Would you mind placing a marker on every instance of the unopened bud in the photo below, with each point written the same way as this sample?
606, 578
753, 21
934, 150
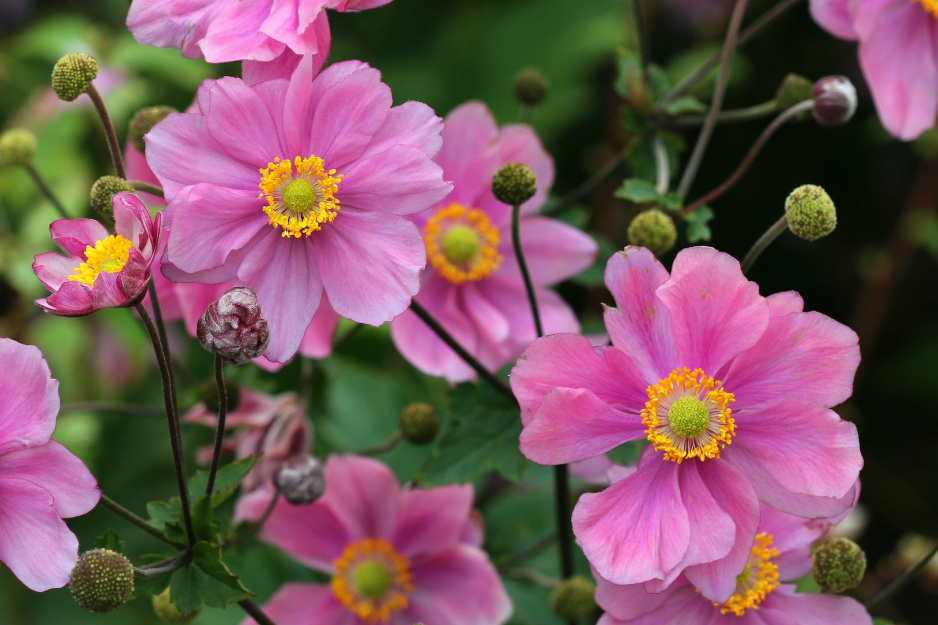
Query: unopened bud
838, 565
72, 75
102, 195
233, 327
167, 611
654, 230
143, 121
102, 580
17, 147
419, 423
574, 599
514, 184
811, 213
209, 394
530, 86
300, 479
835, 100
794, 89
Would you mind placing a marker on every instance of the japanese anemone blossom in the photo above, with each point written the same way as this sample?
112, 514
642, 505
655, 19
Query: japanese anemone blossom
898, 53
781, 552
472, 284
259, 203
731, 389
101, 270
41, 482
396, 557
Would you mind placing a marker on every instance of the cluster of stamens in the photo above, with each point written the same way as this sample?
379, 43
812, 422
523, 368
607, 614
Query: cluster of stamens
758, 579
108, 255
462, 244
299, 201
372, 580
929, 5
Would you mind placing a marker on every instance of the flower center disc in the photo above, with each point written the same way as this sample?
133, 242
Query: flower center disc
372, 580
108, 255
687, 416
300, 195
462, 244
758, 579
929, 5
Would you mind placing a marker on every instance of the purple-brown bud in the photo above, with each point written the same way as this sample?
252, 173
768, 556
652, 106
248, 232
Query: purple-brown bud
835, 100
233, 328
301, 479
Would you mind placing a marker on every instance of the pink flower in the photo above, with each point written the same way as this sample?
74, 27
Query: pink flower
781, 552
311, 144
101, 270
472, 284
898, 54
41, 482
698, 360
396, 557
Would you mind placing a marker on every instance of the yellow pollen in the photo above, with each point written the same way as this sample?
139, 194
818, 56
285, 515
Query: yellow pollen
300, 195
929, 5
687, 416
372, 580
751, 589
108, 255
462, 244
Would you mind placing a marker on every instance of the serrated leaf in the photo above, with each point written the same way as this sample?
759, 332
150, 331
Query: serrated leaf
205, 580
203, 521
697, 228
641, 155
638, 191
109, 540
227, 479
167, 516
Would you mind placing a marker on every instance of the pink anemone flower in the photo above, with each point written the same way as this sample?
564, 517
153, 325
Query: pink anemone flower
472, 284
101, 270
304, 201
898, 53
781, 552
41, 482
396, 557
731, 389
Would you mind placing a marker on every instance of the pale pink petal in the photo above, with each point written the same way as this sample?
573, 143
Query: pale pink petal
834, 16
553, 250
29, 400
490, 320
55, 469
73, 299
74, 235
234, 34
399, 181
312, 534
430, 520
240, 121
298, 603
317, 342
172, 23
792, 536
813, 609
593, 471
54, 269
411, 123
467, 157
632, 600
363, 494
683, 607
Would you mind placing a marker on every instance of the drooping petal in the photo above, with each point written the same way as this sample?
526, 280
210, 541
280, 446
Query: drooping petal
73, 299
29, 400
430, 520
55, 469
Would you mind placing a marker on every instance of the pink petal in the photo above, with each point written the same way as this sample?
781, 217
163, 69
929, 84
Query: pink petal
683, 607
29, 400
553, 250
430, 520
54, 269
363, 494
178, 24
73, 299
231, 103
55, 469
631, 601
234, 34
834, 16
466, 156
75, 235
519, 143
411, 123
489, 320
298, 603
813, 609
317, 341
312, 534
792, 536
400, 181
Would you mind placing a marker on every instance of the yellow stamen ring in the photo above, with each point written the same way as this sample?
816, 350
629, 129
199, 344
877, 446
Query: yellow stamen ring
687, 416
299, 201
372, 580
929, 5
108, 255
751, 589
462, 244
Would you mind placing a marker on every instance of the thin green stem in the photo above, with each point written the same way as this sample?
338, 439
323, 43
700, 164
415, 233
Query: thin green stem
900, 582
109, 132
255, 612
756, 111
763, 242
146, 187
132, 518
380, 448
46, 189
523, 266
641, 34
220, 427
564, 521
163, 567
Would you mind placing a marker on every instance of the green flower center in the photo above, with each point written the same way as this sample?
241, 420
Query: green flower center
299, 195
689, 417
371, 579
460, 243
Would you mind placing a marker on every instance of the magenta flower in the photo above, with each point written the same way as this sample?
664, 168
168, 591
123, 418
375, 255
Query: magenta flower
41, 482
781, 552
472, 284
396, 557
101, 270
311, 144
731, 389
898, 53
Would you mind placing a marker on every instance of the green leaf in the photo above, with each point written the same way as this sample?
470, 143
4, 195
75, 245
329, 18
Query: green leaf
684, 104
697, 228
167, 516
109, 540
672, 201
641, 155
226, 479
638, 191
205, 580
203, 521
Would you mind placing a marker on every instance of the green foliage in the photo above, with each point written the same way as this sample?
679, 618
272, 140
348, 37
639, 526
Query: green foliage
697, 224
641, 156
110, 540
205, 580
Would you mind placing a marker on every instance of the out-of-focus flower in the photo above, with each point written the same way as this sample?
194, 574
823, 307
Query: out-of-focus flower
41, 482
396, 557
699, 360
472, 284
101, 270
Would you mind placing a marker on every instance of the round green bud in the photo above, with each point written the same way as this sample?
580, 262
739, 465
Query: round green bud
168, 612
654, 230
209, 394
17, 147
102, 195
72, 75
530, 86
794, 89
419, 423
101, 580
811, 213
143, 121
573, 599
514, 184
838, 565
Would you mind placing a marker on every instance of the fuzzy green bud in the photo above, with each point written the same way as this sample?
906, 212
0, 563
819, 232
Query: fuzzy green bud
574, 598
654, 230
17, 147
167, 611
143, 121
102, 195
72, 75
811, 213
838, 565
530, 86
209, 394
101, 580
514, 184
794, 89
419, 423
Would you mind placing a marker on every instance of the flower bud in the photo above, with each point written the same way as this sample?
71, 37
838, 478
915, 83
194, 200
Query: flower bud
72, 75
419, 423
530, 86
102, 195
168, 612
514, 184
209, 394
233, 328
811, 212
17, 146
794, 89
835, 100
143, 121
573, 599
102, 580
300, 479
654, 230
838, 565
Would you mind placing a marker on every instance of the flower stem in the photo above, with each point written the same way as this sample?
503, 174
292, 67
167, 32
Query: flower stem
380, 448
564, 521
899, 583
662, 167
763, 242
736, 115
46, 189
641, 33
112, 144
255, 612
523, 265
146, 187
132, 518
163, 567
220, 427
